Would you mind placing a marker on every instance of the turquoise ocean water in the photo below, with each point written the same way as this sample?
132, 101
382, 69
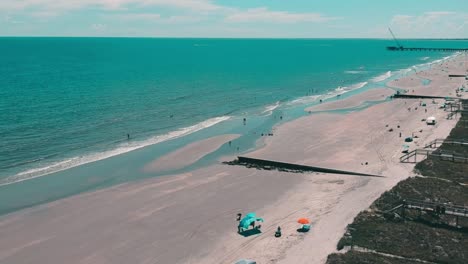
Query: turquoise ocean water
67, 104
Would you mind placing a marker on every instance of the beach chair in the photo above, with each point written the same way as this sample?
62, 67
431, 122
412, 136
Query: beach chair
306, 228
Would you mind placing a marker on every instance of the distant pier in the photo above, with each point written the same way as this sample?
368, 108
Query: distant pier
394, 48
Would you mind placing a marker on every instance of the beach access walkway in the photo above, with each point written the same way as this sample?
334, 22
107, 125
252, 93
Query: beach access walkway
444, 155
440, 208
432, 207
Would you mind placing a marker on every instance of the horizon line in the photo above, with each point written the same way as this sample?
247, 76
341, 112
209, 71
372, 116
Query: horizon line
167, 37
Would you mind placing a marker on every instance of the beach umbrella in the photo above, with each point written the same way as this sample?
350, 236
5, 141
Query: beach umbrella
303, 221
247, 221
251, 215
246, 261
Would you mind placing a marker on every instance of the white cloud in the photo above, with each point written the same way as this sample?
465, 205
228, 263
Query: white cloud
196, 5
98, 27
10, 20
139, 16
436, 24
439, 13
263, 14
183, 19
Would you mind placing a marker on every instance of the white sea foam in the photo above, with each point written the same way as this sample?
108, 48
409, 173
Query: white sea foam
269, 109
425, 58
122, 148
355, 72
341, 90
426, 65
382, 77
352, 87
304, 100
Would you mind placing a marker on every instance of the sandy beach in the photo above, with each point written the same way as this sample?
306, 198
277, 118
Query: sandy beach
354, 101
190, 218
189, 154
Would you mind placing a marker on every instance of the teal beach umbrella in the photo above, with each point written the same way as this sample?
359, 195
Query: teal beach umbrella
247, 221
251, 215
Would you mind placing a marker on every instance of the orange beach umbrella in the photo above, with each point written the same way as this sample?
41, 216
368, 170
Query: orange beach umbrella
303, 221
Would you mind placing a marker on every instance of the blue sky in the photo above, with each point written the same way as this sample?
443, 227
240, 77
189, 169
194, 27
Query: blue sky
235, 18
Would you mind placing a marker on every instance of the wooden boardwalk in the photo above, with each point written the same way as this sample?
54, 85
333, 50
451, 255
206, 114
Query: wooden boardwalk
432, 208
407, 158
438, 142
442, 155
438, 208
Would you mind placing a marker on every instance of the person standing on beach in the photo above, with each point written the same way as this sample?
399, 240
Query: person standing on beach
278, 232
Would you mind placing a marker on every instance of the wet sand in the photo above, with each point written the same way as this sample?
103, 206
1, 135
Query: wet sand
373, 95
190, 218
189, 154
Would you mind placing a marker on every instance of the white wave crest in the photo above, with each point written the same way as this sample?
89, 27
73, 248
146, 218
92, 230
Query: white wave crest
122, 148
352, 87
270, 108
382, 77
355, 72
304, 100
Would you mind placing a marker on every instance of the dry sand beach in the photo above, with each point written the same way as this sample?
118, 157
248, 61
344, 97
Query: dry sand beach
190, 218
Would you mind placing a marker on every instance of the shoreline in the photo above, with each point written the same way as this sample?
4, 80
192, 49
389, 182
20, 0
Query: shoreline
189, 154
122, 149
221, 192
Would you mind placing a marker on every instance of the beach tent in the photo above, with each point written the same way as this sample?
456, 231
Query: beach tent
247, 221
246, 261
250, 215
430, 120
